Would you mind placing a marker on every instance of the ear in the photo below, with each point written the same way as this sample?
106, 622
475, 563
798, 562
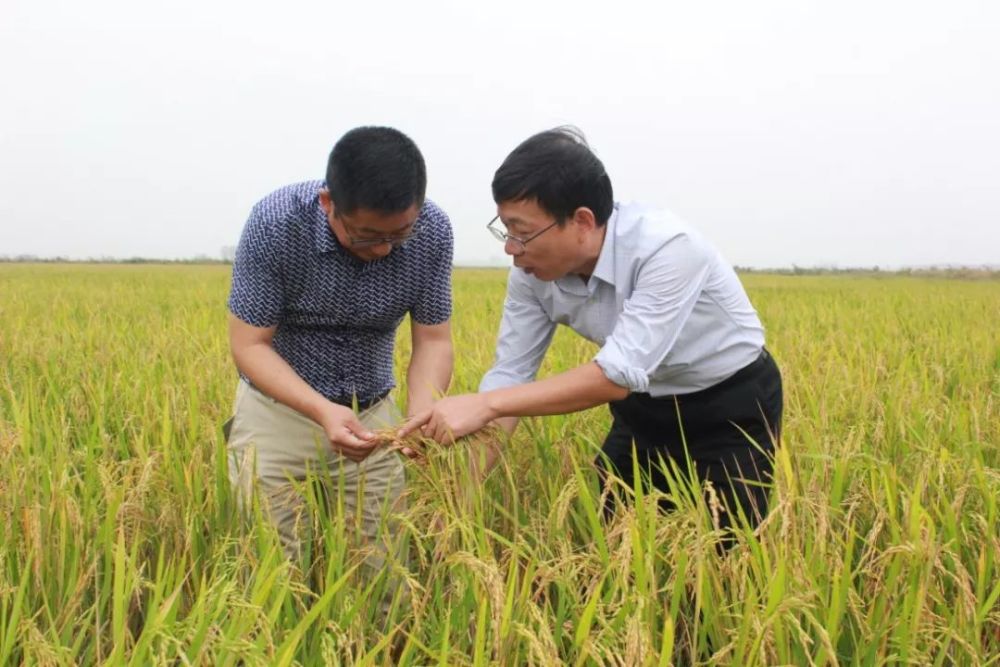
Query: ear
585, 218
325, 202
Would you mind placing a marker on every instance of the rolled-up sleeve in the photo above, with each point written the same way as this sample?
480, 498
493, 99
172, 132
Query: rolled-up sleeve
525, 334
257, 295
667, 287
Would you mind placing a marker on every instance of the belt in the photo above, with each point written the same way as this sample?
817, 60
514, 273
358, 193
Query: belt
363, 403
738, 376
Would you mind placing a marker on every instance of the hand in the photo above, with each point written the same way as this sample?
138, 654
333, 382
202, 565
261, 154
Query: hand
412, 448
347, 435
410, 452
451, 418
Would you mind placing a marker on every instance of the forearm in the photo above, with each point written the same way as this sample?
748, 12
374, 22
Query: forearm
428, 375
577, 389
534, 397
273, 376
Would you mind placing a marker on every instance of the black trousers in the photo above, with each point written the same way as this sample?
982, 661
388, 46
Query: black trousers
707, 433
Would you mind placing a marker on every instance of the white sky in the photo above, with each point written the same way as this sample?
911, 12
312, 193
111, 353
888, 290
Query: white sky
846, 133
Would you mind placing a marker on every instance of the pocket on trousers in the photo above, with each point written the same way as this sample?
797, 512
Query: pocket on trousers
229, 425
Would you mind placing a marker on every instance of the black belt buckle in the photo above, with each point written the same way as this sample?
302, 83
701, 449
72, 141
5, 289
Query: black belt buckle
363, 404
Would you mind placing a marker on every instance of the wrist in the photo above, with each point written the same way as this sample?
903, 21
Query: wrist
318, 408
414, 406
494, 404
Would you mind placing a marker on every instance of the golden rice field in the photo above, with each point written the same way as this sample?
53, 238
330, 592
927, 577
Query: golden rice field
120, 542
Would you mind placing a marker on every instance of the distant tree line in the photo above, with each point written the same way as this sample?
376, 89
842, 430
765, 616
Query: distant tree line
228, 253
946, 271
226, 256
34, 259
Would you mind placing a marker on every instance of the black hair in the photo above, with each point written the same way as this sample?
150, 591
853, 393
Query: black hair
557, 169
376, 168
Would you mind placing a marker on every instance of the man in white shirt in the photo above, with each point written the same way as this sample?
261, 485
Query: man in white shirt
682, 362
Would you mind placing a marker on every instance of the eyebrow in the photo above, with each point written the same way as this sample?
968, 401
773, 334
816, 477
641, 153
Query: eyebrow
513, 221
369, 230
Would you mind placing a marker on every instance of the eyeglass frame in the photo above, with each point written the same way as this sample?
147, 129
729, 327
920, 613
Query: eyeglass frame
394, 241
503, 236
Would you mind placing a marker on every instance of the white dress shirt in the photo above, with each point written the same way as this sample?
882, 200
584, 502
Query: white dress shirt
669, 313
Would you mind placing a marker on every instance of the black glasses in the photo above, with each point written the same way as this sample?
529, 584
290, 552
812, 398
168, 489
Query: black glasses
367, 242
501, 235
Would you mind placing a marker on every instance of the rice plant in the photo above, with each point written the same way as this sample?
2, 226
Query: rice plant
121, 543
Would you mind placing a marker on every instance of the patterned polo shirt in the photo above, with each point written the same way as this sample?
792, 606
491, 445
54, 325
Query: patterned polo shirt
336, 315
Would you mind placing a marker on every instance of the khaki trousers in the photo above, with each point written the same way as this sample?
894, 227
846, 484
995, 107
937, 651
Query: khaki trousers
273, 448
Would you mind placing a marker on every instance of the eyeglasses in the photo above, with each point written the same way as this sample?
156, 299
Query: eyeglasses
500, 235
395, 240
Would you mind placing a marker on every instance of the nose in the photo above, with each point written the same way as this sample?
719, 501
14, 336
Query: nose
382, 249
513, 248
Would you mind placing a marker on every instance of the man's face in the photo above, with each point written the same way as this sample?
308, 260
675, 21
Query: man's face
553, 253
367, 234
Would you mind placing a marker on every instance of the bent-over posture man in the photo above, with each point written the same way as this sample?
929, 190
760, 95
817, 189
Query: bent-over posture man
323, 276
682, 362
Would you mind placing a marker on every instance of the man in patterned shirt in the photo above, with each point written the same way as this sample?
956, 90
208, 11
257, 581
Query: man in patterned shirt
323, 276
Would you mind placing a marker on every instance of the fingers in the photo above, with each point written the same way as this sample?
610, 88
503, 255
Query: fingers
414, 422
358, 429
439, 429
352, 446
431, 424
441, 432
356, 454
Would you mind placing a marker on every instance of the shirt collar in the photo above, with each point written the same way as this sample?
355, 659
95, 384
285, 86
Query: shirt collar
604, 269
325, 239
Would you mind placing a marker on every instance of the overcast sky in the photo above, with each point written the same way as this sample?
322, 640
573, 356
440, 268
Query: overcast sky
838, 133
